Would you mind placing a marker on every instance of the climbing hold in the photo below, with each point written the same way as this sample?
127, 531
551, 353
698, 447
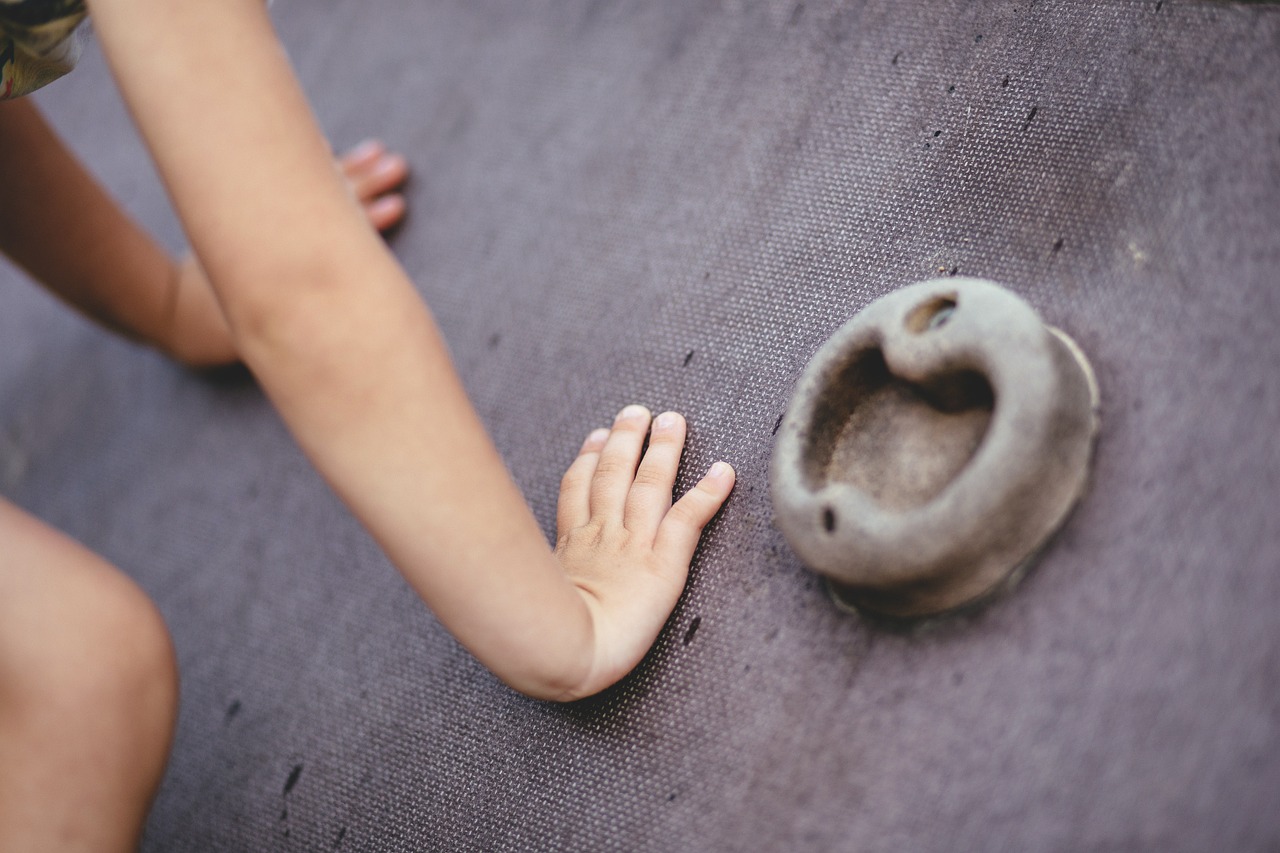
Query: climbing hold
932, 446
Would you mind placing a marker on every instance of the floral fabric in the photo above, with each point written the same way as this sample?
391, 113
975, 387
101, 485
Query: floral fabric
36, 44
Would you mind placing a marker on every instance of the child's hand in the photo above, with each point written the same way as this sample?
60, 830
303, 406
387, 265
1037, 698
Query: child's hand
374, 174
622, 542
197, 334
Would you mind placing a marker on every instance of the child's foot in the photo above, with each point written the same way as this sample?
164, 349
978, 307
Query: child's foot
374, 173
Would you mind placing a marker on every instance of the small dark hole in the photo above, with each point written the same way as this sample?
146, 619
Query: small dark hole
693, 629
293, 778
829, 520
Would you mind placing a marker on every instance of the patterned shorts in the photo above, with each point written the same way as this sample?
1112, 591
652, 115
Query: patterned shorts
36, 44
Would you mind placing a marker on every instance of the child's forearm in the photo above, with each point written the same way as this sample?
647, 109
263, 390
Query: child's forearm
337, 335
344, 347
59, 224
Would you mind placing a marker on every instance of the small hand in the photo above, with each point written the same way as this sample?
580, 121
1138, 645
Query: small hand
197, 333
374, 174
623, 543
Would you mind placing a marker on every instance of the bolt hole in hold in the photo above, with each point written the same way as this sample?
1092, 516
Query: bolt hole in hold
899, 442
932, 314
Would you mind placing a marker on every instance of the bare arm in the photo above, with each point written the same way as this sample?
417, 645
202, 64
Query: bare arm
344, 347
62, 227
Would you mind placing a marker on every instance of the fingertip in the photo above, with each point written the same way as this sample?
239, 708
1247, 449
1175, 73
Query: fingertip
595, 441
386, 210
395, 161
721, 475
668, 422
634, 412
363, 152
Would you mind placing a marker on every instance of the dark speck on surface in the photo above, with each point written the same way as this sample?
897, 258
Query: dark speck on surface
895, 59
977, 39
954, 270
232, 710
294, 775
1004, 84
337, 842
1057, 246
688, 358
494, 340
796, 13
951, 88
777, 424
693, 629
1030, 116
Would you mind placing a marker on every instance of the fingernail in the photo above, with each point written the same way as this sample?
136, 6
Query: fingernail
719, 470
666, 420
597, 436
365, 149
633, 412
387, 204
391, 164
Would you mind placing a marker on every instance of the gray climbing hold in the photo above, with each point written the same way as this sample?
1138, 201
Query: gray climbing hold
932, 446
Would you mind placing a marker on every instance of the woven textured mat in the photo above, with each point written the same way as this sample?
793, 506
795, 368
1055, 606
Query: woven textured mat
675, 203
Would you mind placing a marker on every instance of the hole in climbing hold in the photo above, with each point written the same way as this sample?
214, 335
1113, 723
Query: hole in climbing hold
932, 314
899, 442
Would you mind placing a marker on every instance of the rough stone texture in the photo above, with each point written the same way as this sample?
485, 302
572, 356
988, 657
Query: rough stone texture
932, 445
675, 202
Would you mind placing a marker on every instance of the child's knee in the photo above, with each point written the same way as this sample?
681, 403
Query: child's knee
88, 695
114, 659
88, 653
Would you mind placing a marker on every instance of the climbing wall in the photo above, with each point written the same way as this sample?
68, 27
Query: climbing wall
675, 202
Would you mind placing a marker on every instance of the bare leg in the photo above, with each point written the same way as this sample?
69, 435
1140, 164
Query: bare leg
88, 695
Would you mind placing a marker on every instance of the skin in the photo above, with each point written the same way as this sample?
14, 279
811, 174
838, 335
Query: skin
394, 435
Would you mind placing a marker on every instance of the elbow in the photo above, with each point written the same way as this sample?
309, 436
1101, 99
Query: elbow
291, 296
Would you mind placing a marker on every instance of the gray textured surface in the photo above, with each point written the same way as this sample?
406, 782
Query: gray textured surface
675, 203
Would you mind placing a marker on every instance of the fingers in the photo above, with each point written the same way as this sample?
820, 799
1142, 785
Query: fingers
616, 469
609, 480
372, 172
650, 495
386, 211
574, 507
679, 531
